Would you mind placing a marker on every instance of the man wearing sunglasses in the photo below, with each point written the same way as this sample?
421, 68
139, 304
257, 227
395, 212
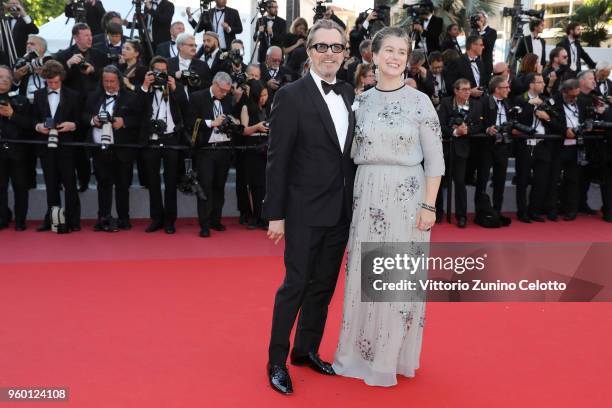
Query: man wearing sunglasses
309, 182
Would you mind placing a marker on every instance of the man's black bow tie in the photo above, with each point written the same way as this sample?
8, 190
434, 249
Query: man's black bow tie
173, 42
327, 88
474, 61
111, 96
52, 92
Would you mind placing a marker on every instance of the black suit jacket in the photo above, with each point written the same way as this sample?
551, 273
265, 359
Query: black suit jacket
284, 76
450, 44
68, 110
217, 65
431, 35
308, 177
608, 93
20, 34
126, 108
526, 118
75, 79
488, 38
197, 66
582, 54
526, 46
179, 106
462, 68
231, 17
475, 117
94, 16
201, 107
162, 19
18, 126
279, 31
163, 50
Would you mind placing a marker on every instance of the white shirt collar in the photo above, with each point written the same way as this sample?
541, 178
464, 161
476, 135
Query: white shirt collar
318, 80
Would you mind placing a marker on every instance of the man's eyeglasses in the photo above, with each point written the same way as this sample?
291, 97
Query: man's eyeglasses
322, 48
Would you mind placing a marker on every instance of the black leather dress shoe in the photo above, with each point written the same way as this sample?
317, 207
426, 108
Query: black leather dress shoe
313, 361
252, 224
204, 232
244, 219
170, 229
43, 227
607, 217
279, 379
3, 225
218, 227
75, 228
154, 226
461, 222
552, 216
569, 217
505, 221
585, 209
20, 226
536, 218
124, 225
523, 218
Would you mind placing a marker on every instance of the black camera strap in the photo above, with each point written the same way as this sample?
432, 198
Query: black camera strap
159, 102
575, 112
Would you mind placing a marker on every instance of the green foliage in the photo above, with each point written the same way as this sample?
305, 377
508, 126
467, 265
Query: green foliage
593, 15
42, 11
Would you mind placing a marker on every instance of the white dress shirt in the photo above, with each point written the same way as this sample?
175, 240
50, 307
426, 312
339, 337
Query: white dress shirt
161, 110
216, 136
536, 44
35, 82
109, 106
573, 55
501, 112
572, 120
53, 96
475, 70
337, 109
218, 20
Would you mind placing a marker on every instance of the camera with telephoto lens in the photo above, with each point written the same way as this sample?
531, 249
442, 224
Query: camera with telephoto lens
161, 79
190, 78
25, 60
519, 12
240, 79
11, 99
417, 11
547, 106
158, 129
190, 185
83, 65
52, 137
320, 8
235, 56
504, 132
106, 120
230, 126
474, 20
78, 11
459, 117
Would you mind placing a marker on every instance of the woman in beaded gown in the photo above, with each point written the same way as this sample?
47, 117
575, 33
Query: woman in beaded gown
397, 129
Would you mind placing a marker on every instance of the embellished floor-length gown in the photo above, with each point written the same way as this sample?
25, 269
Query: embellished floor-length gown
396, 131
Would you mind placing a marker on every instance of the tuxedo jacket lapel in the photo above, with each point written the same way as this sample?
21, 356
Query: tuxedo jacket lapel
321, 107
349, 134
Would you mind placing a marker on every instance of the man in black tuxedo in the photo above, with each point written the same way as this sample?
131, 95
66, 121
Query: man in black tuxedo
450, 41
94, 12
57, 107
210, 54
533, 154
493, 151
186, 63
168, 49
273, 74
416, 70
15, 121
225, 21
309, 183
438, 74
208, 110
533, 43
489, 36
112, 165
428, 28
166, 104
453, 112
365, 53
271, 30
21, 25
575, 52
158, 17
604, 85
109, 17
113, 41
470, 67
557, 71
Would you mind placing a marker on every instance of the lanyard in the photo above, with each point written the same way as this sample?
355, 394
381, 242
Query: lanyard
217, 21
574, 113
159, 106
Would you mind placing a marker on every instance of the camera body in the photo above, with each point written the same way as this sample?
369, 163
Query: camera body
320, 8
78, 11
83, 65
240, 79
158, 128
190, 78
459, 117
235, 56
231, 127
52, 138
106, 120
504, 132
474, 20
113, 58
161, 79
26, 60
10, 99
189, 184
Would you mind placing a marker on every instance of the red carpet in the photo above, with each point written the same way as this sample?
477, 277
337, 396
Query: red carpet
150, 320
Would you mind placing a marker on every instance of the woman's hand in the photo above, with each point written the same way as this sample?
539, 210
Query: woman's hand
425, 219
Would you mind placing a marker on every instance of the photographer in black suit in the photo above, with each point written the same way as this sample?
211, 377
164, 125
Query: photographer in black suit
210, 54
533, 154
209, 110
557, 71
271, 30
158, 15
165, 106
273, 74
109, 17
113, 41
428, 28
186, 63
575, 52
450, 39
113, 119
533, 43
94, 11
55, 112
15, 120
604, 85
470, 67
21, 25
489, 36
225, 21
168, 49
459, 116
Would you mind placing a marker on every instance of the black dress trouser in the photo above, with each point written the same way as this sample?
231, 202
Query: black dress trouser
13, 168
212, 168
112, 172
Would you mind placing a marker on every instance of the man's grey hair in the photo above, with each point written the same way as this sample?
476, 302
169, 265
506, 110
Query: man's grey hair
222, 78
365, 45
273, 48
323, 24
417, 57
601, 65
583, 74
40, 39
253, 66
182, 37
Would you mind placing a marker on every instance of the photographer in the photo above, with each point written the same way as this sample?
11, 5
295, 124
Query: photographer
209, 108
109, 17
168, 49
360, 31
159, 15
365, 51
94, 11
575, 52
225, 21
112, 118
271, 30
21, 24
185, 65
113, 43
450, 39
417, 71
557, 71
488, 35
55, 112
330, 15
27, 77
165, 106
439, 77
132, 70
470, 66
294, 46
14, 122
493, 151
272, 73
459, 116
604, 85
255, 121
210, 54
533, 43
428, 28
533, 154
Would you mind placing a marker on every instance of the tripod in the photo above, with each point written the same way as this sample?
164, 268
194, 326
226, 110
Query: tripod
143, 33
7, 44
517, 37
262, 13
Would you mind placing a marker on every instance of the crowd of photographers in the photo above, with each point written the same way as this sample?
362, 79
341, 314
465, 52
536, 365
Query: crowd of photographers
201, 110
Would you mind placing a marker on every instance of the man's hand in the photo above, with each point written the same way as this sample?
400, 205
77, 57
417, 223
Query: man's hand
461, 130
491, 130
118, 123
422, 72
542, 115
75, 59
21, 72
476, 93
372, 16
148, 80
226, 27
417, 27
276, 230
66, 127
218, 121
188, 12
273, 84
569, 133
96, 121
6, 111
552, 77
90, 69
261, 127
40, 128
172, 83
